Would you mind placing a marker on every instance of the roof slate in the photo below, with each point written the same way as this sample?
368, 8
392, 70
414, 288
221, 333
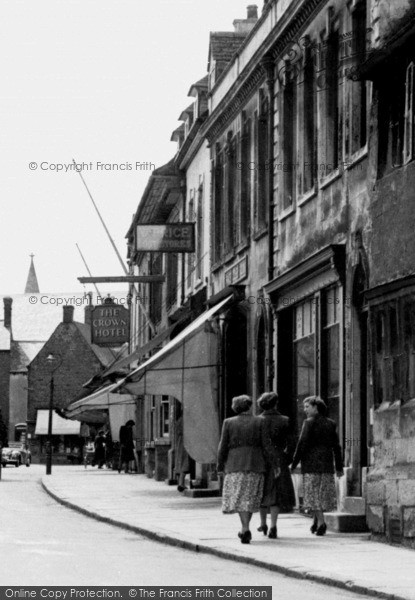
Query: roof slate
105, 355
224, 44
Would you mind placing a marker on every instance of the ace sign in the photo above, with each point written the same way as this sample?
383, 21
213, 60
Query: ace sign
110, 324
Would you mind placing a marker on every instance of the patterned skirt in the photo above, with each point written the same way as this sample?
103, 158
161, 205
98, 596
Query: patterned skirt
242, 492
319, 491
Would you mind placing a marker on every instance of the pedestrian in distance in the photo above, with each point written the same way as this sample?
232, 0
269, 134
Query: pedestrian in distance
99, 450
278, 491
109, 449
241, 457
318, 450
182, 459
126, 446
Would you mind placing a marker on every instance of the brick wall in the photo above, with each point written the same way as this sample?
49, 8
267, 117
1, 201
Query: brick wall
79, 364
4, 385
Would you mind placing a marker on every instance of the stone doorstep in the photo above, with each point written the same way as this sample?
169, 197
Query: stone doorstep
343, 522
202, 493
355, 505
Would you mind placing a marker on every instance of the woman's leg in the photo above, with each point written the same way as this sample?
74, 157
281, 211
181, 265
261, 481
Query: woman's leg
319, 516
275, 511
263, 511
245, 520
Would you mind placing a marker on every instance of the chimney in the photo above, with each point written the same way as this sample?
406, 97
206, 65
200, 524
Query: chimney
8, 312
68, 314
88, 310
245, 25
252, 12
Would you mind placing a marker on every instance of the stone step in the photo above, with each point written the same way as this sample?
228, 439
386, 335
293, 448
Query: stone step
201, 493
343, 522
355, 505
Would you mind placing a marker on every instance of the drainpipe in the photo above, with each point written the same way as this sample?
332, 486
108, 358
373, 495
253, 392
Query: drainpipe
268, 65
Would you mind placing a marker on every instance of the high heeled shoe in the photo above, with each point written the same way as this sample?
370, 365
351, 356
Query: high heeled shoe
272, 533
314, 526
321, 530
263, 528
245, 537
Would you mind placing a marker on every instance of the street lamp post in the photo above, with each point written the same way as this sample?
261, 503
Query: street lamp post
51, 359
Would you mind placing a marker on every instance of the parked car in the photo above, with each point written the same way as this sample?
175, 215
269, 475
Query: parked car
16, 454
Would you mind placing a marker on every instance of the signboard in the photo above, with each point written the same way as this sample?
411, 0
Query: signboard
110, 324
171, 237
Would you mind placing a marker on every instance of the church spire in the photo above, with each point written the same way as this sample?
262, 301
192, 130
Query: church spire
32, 286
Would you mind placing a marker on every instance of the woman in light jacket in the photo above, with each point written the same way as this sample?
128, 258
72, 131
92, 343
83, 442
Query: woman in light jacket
241, 456
319, 452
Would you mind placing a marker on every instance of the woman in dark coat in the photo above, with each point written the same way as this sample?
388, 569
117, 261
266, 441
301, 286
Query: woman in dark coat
278, 492
319, 451
241, 458
99, 453
126, 445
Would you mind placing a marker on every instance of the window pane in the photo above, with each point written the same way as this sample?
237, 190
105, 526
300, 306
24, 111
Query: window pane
333, 361
304, 366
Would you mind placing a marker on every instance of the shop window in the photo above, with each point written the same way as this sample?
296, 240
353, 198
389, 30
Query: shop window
394, 348
330, 364
304, 353
152, 418
164, 417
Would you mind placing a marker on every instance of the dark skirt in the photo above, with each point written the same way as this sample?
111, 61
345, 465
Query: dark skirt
319, 492
126, 453
279, 492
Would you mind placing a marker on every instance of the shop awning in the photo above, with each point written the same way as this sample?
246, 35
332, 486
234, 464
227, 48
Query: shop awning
140, 352
187, 369
59, 426
101, 399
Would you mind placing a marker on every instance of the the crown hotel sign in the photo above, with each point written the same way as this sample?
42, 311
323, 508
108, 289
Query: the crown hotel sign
171, 237
110, 324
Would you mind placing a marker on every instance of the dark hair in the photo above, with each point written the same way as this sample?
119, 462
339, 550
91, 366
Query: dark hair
317, 401
267, 400
130, 422
241, 404
101, 432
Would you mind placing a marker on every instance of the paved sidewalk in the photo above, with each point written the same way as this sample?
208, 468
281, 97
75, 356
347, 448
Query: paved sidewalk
152, 508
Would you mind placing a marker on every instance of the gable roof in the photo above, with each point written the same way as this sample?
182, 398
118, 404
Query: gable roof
4, 337
223, 45
104, 354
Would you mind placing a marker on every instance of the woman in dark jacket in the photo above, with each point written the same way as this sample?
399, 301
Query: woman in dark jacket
278, 493
99, 453
241, 458
126, 445
318, 450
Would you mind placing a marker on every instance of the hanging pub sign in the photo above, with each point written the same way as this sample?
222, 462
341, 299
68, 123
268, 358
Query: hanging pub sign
110, 324
170, 237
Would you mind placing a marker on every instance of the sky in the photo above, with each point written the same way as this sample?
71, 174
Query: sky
102, 82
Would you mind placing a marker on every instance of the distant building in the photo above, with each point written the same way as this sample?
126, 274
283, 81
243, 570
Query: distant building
76, 360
